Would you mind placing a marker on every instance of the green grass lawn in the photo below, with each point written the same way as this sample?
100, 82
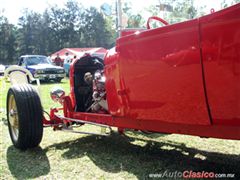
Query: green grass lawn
64, 155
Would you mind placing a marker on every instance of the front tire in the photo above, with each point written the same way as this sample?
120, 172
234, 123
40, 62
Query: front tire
24, 114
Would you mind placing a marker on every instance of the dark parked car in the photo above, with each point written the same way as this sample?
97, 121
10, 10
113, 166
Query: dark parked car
41, 67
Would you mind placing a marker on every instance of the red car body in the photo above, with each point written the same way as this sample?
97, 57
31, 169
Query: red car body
182, 78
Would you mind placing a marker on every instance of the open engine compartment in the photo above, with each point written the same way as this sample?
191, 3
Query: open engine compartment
89, 85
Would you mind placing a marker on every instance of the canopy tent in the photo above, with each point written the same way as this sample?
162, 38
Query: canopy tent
97, 51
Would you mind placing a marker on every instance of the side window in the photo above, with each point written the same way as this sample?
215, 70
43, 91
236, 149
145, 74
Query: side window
22, 62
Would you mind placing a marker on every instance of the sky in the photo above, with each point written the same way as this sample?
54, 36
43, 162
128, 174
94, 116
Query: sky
12, 9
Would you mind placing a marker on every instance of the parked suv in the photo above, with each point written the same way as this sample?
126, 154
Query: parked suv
41, 67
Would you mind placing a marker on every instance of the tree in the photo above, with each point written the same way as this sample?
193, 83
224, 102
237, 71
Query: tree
135, 20
29, 32
47, 39
8, 41
95, 29
54, 29
56, 21
225, 4
71, 31
181, 10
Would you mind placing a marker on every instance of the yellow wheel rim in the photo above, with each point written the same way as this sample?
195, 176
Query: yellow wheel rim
13, 117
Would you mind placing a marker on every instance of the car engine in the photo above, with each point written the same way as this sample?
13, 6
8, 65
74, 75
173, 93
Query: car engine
97, 81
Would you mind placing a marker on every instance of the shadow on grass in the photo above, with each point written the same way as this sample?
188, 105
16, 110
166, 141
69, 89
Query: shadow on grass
27, 164
119, 153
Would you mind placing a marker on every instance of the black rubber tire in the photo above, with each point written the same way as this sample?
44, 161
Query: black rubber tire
30, 116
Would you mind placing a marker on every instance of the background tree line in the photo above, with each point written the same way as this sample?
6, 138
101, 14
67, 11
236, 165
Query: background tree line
172, 11
54, 29
76, 26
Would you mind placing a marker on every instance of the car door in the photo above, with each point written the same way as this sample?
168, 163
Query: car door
161, 75
220, 34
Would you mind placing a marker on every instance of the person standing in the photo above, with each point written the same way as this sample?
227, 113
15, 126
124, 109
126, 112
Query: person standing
58, 61
67, 58
66, 65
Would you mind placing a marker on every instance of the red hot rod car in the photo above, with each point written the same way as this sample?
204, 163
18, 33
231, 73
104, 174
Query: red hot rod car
182, 78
